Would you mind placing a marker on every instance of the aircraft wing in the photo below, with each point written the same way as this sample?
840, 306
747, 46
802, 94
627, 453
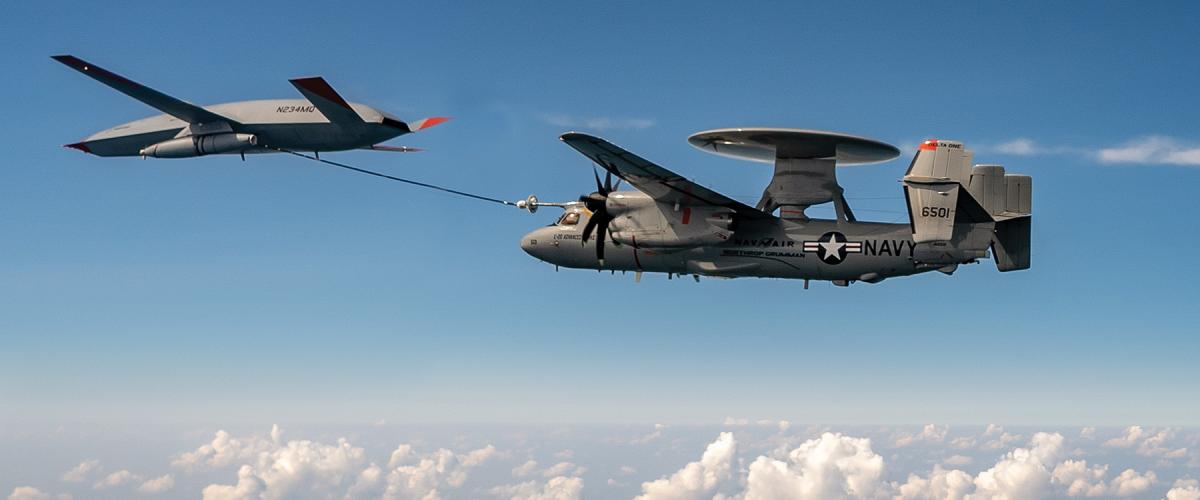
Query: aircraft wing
327, 100
661, 184
184, 111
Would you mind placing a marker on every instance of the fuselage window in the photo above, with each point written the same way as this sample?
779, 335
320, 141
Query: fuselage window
569, 219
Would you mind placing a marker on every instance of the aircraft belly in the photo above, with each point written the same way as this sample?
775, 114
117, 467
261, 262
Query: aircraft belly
128, 145
313, 136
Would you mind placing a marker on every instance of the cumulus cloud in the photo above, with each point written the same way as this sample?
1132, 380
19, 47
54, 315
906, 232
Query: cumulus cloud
941, 484
118, 478
598, 123
930, 433
957, 460
277, 469
832, 466
696, 479
1149, 444
225, 450
433, 473
1184, 489
556, 488
1022, 472
157, 485
80, 472
525, 469
31, 493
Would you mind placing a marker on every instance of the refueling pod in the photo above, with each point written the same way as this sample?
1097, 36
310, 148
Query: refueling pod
200, 145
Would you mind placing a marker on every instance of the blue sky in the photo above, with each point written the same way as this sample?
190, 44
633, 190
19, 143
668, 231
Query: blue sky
214, 292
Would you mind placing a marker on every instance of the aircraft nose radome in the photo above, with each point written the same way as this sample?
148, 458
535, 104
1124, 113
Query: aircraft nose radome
534, 245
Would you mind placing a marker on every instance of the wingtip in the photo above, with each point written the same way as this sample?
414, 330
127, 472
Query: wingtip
82, 146
429, 122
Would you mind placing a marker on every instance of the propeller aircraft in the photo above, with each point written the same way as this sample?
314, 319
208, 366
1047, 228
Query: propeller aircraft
958, 213
322, 121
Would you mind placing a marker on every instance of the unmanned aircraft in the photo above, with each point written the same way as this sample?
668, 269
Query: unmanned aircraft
957, 213
323, 121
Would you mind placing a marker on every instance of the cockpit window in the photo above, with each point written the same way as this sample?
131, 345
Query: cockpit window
569, 219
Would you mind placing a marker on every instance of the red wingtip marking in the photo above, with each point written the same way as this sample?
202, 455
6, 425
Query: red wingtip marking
433, 120
82, 146
929, 145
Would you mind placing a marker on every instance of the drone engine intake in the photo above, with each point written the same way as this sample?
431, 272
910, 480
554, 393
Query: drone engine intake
200, 145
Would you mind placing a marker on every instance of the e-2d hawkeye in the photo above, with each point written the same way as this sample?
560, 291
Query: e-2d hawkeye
958, 212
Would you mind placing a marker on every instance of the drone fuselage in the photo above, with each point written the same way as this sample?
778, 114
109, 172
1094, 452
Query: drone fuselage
285, 123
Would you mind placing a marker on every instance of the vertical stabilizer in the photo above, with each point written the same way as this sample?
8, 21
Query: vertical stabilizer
932, 186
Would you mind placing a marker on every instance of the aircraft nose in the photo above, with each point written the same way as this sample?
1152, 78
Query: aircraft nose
530, 244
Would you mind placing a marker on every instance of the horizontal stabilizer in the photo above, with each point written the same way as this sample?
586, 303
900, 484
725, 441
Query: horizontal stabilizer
327, 100
184, 111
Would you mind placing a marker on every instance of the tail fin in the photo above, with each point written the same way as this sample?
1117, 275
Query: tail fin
932, 186
1008, 198
935, 184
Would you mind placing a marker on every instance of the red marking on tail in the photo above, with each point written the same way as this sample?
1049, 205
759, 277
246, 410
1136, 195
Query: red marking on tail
930, 145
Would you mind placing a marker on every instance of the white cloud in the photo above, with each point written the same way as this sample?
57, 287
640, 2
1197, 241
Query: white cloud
655, 434
941, 484
118, 478
832, 466
598, 123
564, 469
31, 493
1184, 489
157, 485
1152, 150
1019, 147
281, 469
930, 432
80, 472
957, 460
1126, 440
557, 488
525, 469
564, 454
1023, 472
1130, 483
432, 473
696, 479
27, 493
1148, 444
1087, 433
225, 450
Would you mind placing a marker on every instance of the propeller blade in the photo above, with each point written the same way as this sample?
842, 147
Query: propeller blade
617, 185
590, 226
599, 187
600, 241
608, 187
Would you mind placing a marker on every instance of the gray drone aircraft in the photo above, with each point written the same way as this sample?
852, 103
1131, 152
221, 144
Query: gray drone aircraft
323, 121
957, 212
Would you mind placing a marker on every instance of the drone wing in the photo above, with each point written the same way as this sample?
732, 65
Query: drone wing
327, 100
661, 184
184, 111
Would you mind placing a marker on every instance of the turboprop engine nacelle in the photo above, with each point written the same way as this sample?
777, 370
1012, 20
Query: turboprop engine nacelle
200, 145
642, 222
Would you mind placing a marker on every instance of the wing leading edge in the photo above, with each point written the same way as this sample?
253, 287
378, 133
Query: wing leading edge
184, 111
659, 183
